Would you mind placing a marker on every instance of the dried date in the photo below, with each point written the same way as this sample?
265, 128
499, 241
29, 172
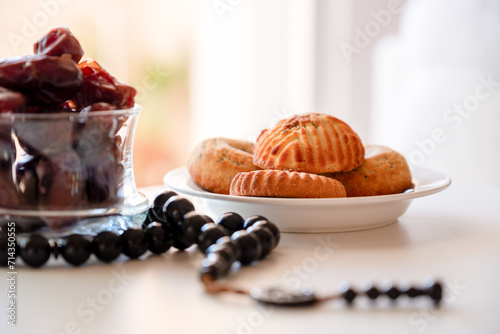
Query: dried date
99, 106
11, 101
8, 195
43, 79
49, 109
102, 178
45, 137
95, 135
100, 86
61, 182
7, 153
26, 181
57, 42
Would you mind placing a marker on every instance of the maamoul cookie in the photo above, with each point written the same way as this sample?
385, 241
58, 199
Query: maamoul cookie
276, 183
214, 163
383, 172
312, 143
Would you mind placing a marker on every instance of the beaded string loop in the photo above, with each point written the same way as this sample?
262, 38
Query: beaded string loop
172, 222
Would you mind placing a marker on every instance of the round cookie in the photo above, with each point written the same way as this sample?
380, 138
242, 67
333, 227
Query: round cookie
214, 163
383, 172
276, 183
311, 143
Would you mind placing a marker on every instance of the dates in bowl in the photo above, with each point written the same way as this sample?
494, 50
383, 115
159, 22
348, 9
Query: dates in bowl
66, 131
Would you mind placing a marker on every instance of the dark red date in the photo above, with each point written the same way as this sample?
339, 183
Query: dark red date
99, 106
49, 108
44, 136
61, 163
61, 182
57, 42
110, 124
26, 181
100, 86
99, 147
8, 195
43, 79
102, 178
7, 152
11, 101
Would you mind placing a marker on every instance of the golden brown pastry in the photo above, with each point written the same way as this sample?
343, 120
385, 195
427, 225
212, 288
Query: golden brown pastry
312, 143
383, 172
276, 183
215, 162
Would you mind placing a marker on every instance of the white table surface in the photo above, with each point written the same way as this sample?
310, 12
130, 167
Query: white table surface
453, 235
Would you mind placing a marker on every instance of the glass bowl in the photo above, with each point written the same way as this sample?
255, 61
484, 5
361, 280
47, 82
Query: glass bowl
69, 172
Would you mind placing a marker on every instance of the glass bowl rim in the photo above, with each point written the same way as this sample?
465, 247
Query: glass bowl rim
136, 109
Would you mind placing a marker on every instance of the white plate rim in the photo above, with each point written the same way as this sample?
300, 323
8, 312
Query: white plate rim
423, 187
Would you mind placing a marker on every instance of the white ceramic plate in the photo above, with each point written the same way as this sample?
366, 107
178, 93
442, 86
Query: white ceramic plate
313, 215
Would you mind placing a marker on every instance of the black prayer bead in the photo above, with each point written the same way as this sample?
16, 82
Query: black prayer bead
372, 292
252, 220
412, 292
176, 230
349, 295
106, 246
150, 217
270, 226
175, 208
180, 245
35, 250
435, 291
392, 292
209, 269
231, 221
75, 249
155, 211
177, 236
226, 241
250, 245
133, 242
210, 233
266, 236
225, 250
191, 226
215, 265
158, 239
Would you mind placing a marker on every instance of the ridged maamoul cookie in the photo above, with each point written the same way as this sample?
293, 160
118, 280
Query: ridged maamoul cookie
215, 162
276, 183
383, 172
312, 143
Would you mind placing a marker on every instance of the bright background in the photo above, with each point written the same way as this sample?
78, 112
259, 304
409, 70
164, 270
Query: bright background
421, 76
